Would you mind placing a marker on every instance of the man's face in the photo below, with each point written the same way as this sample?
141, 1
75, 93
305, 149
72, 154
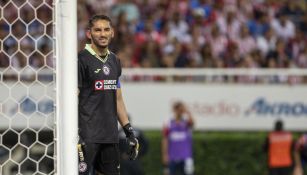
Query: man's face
101, 33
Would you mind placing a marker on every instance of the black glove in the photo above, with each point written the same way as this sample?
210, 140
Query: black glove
133, 143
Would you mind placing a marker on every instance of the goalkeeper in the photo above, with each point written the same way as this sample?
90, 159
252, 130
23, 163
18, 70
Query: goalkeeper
101, 104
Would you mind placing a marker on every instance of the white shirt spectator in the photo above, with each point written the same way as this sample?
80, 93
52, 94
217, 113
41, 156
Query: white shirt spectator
246, 45
230, 29
246, 42
179, 30
285, 31
265, 45
218, 45
301, 60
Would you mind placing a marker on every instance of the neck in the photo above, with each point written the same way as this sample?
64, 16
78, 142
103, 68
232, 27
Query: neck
178, 117
99, 50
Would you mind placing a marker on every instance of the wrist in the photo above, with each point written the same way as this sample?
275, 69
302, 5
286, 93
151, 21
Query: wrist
128, 130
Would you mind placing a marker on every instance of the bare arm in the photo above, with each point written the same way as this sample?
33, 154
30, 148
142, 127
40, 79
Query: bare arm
189, 117
297, 158
298, 170
164, 146
121, 108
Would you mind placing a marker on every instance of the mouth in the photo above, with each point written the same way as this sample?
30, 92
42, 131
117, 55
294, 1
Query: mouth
103, 39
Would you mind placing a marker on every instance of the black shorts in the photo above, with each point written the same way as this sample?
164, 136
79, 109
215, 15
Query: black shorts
281, 171
103, 158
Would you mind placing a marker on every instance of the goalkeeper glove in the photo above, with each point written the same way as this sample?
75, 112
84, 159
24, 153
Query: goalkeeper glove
82, 163
133, 143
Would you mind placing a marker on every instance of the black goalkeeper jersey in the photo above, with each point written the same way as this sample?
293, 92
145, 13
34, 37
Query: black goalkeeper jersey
97, 81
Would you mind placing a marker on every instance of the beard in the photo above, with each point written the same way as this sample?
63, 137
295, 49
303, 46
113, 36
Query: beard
98, 43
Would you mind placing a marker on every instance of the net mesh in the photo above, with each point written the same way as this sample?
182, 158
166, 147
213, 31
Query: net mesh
27, 85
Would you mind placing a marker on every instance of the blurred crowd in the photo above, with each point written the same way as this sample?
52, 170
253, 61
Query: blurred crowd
167, 33
204, 33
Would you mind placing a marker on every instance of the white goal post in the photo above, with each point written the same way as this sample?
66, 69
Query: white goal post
66, 80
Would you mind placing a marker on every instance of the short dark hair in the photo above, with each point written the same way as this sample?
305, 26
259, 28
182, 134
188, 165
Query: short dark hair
95, 18
279, 125
177, 105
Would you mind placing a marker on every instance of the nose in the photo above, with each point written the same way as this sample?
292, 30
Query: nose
104, 33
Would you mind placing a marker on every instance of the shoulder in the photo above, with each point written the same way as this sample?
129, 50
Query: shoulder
83, 54
114, 56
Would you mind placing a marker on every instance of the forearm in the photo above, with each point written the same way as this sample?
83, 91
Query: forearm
121, 110
297, 159
164, 145
122, 113
190, 118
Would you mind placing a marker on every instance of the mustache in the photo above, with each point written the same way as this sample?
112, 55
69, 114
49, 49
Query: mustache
101, 37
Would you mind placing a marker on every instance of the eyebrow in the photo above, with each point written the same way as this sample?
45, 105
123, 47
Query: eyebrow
99, 28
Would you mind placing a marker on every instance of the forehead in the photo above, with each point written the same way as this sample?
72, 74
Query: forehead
100, 23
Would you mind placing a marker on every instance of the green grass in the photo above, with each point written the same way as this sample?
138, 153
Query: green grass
216, 153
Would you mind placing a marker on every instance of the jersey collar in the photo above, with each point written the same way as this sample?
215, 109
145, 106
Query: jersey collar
92, 52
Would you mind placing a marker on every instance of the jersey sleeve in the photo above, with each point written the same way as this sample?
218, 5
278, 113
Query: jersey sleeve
165, 129
81, 74
118, 84
119, 66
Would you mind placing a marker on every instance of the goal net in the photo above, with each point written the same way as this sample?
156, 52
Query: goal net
38, 105
27, 85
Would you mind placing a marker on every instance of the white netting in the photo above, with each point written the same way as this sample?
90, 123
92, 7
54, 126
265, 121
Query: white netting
27, 87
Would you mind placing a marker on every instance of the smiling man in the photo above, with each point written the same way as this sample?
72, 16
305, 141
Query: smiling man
101, 103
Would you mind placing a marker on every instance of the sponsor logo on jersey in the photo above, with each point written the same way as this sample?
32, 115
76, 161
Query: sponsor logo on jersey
105, 85
97, 71
106, 70
99, 85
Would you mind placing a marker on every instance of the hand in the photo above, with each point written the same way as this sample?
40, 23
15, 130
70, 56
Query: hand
298, 170
133, 147
133, 143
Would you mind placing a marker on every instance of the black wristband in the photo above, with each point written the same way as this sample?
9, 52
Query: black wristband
128, 130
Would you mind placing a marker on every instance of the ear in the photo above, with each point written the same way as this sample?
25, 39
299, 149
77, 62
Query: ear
88, 34
112, 34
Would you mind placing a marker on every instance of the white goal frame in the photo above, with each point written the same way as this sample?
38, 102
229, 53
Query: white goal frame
66, 85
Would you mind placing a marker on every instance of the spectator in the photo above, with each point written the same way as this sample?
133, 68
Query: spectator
301, 60
297, 44
258, 23
150, 54
232, 56
279, 147
129, 7
280, 54
266, 42
229, 24
207, 58
293, 10
177, 142
283, 27
245, 41
178, 28
217, 41
300, 155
